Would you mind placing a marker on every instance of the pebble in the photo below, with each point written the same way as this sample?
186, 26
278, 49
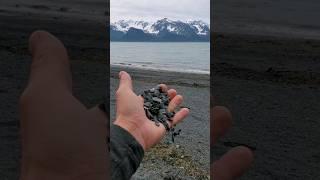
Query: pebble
156, 108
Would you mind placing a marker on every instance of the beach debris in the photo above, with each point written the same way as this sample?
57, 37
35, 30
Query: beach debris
156, 104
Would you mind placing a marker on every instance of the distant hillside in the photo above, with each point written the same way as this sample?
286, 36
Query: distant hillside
164, 30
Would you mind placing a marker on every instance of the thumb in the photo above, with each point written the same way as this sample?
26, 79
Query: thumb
50, 67
125, 80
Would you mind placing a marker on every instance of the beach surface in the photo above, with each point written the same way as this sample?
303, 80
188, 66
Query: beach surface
84, 37
188, 157
271, 85
266, 70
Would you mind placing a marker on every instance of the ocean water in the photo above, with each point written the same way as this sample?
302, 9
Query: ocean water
170, 56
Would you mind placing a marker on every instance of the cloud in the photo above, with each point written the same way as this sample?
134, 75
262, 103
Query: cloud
151, 10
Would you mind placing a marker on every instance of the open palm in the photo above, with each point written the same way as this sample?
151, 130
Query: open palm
131, 115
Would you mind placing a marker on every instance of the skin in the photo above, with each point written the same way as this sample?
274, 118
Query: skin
238, 160
62, 139
131, 115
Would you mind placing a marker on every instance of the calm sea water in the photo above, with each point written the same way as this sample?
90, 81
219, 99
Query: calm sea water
181, 57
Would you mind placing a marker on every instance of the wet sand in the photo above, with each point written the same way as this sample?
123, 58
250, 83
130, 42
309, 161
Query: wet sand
271, 85
188, 157
84, 37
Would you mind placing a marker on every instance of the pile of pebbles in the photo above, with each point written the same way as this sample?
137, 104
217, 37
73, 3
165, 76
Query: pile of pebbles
156, 104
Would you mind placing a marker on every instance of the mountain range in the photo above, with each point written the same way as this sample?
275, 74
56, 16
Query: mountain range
164, 30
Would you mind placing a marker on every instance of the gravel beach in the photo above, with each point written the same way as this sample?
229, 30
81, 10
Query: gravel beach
188, 157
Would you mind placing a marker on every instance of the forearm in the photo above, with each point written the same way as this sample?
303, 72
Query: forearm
126, 153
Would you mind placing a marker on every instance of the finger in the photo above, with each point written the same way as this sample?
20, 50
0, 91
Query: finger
233, 164
163, 87
172, 93
222, 120
125, 81
50, 69
180, 115
175, 102
141, 98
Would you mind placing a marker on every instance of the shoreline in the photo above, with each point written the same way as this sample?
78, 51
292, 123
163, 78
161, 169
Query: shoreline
289, 18
288, 61
148, 68
187, 79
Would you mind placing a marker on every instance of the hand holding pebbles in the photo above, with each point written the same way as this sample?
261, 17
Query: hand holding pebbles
156, 104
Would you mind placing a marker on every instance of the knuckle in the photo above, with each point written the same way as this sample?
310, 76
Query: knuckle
118, 92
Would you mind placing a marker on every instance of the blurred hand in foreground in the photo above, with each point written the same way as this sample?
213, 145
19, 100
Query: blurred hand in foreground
61, 138
235, 162
131, 115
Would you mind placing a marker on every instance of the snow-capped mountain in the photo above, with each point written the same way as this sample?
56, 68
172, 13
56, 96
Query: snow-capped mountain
124, 26
161, 30
202, 27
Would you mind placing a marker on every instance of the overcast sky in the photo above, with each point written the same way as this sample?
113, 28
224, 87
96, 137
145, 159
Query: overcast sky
151, 10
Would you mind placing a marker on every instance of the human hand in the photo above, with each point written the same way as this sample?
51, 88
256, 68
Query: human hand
235, 162
61, 138
131, 115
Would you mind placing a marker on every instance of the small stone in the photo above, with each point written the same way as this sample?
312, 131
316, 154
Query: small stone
162, 111
170, 115
156, 104
156, 99
147, 104
166, 125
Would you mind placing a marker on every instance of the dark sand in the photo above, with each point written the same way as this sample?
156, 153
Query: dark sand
283, 18
188, 157
84, 37
271, 85
267, 71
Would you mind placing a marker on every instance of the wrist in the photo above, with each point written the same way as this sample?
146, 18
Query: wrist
133, 129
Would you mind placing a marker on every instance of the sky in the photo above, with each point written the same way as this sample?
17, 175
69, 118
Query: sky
152, 10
